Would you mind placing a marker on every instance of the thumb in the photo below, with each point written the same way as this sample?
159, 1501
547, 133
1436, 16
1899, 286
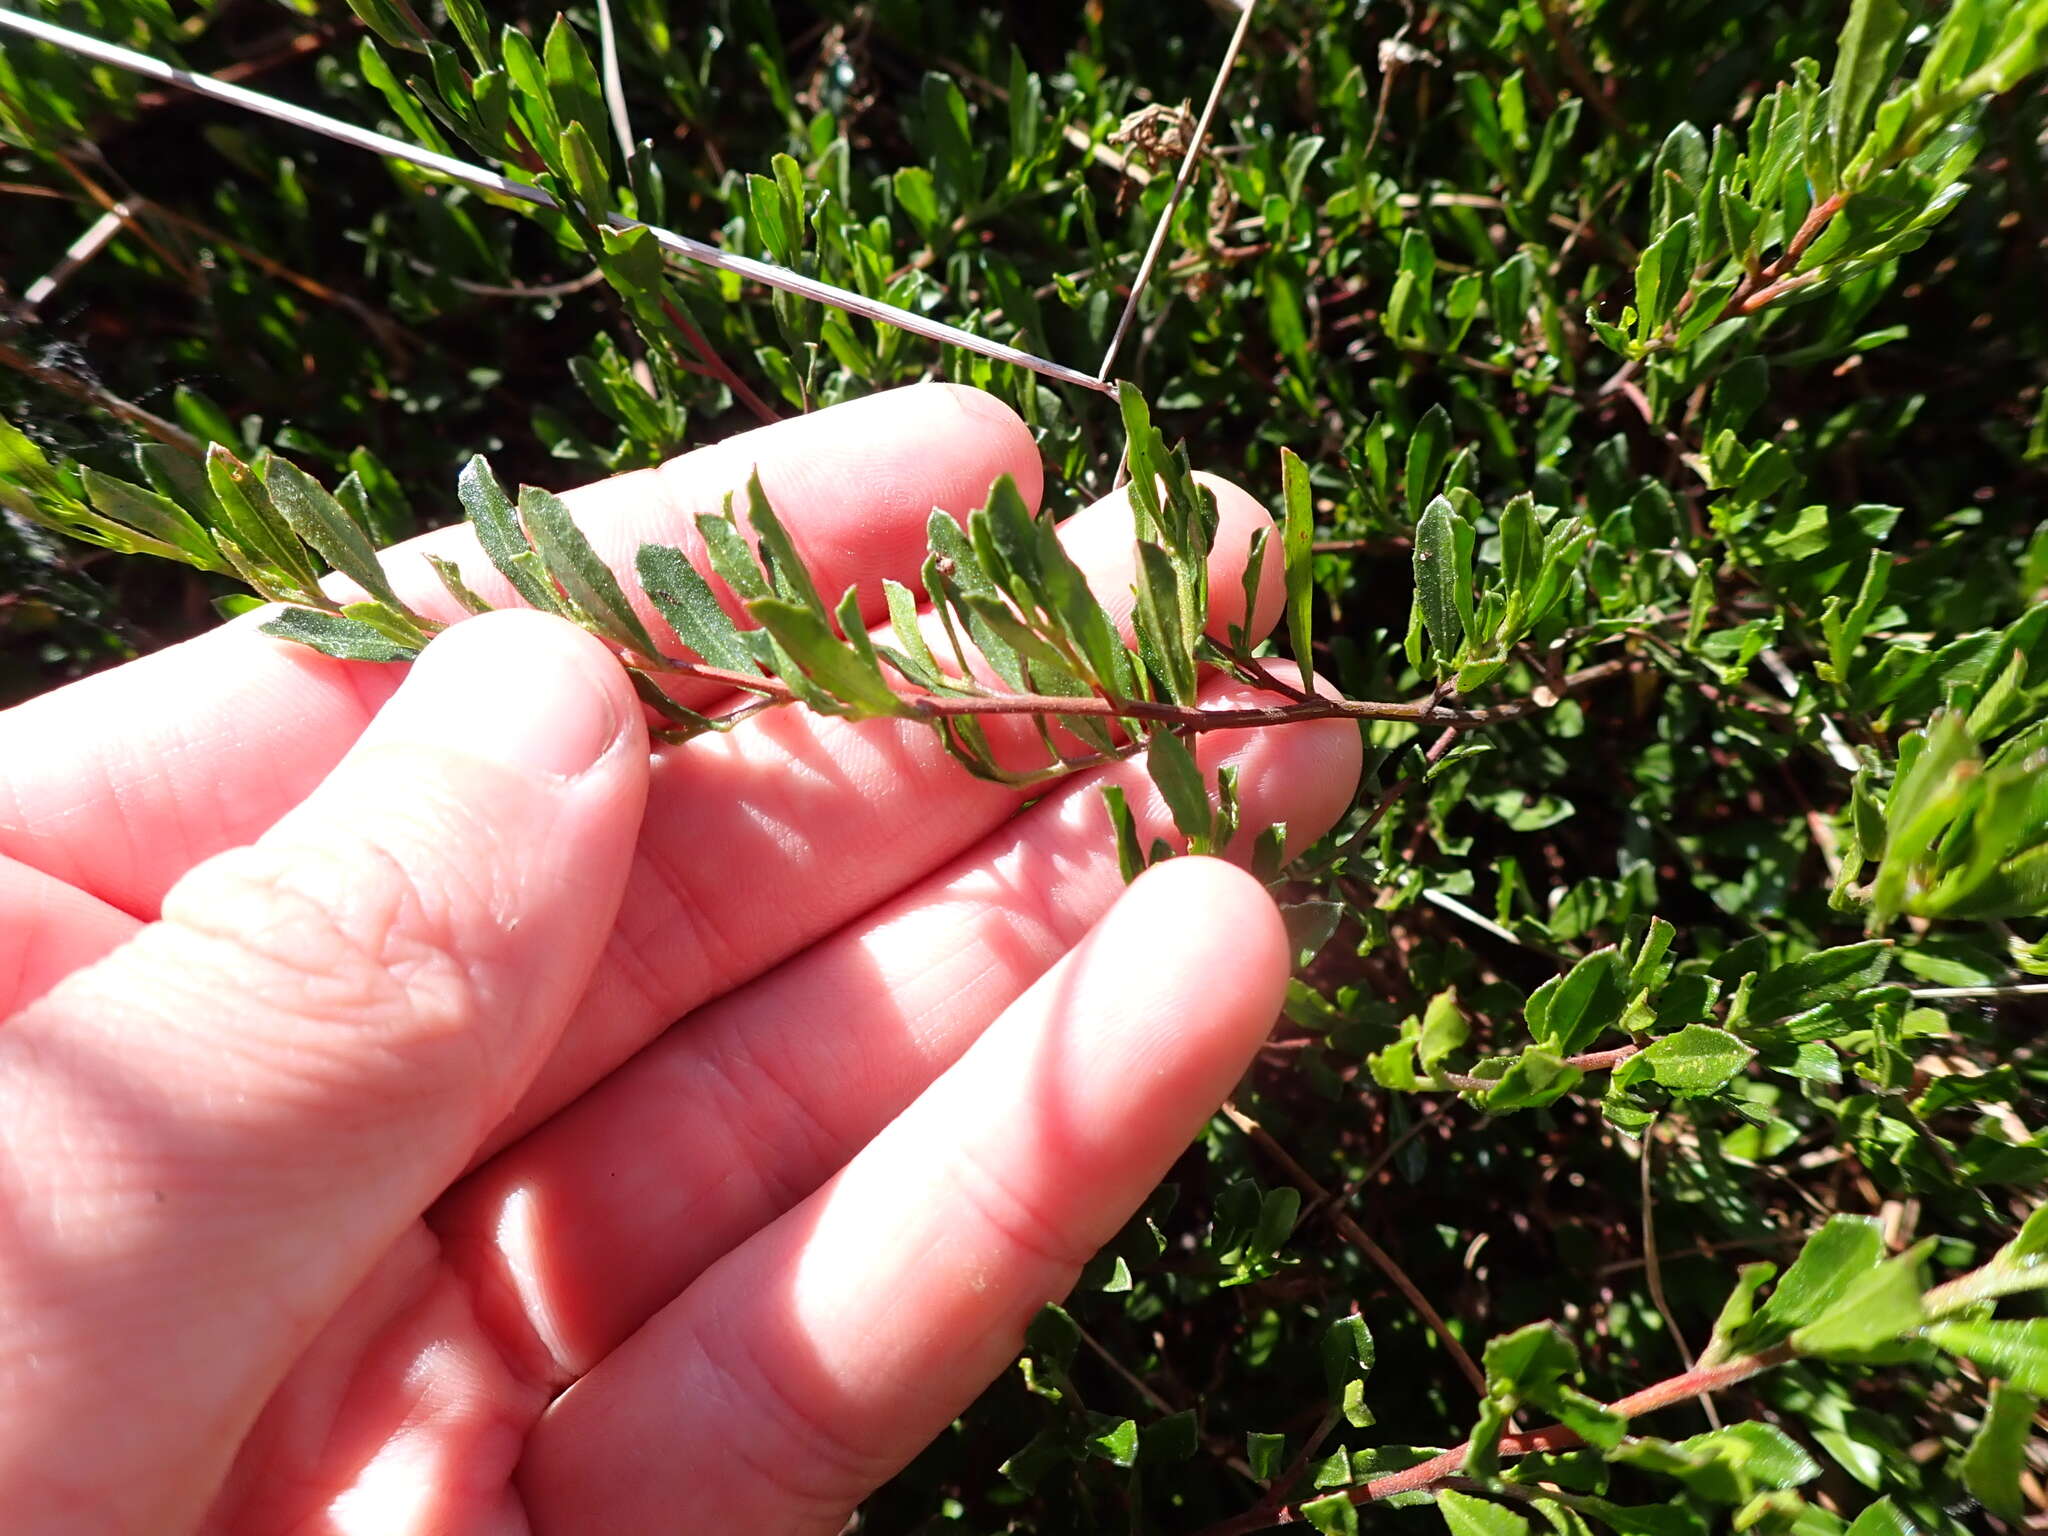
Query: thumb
208, 1137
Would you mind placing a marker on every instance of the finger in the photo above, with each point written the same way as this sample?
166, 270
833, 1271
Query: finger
121, 782
584, 1229
825, 818
48, 930
215, 1131
822, 1355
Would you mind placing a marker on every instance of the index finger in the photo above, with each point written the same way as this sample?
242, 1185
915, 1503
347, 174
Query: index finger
120, 783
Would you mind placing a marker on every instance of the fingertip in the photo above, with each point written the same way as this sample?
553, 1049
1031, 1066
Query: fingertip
1222, 908
526, 689
1007, 440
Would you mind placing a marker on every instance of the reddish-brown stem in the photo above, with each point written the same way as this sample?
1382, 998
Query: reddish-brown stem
1191, 717
1772, 282
1554, 1437
719, 368
83, 389
1591, 1061
1774, 291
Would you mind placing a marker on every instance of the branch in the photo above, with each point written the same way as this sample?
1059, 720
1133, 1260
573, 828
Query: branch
71, 384
1440, 1469
1592, 1061
1190, 717
719, 368
1772, 282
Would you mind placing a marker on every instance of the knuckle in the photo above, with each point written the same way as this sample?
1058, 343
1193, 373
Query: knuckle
774, 1429
1018, 1221
346, 941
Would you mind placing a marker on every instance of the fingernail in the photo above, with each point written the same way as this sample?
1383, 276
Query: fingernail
519, 689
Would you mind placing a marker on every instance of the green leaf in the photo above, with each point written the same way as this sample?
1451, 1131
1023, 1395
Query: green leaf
2014, 1351
1832, 1260
910, 655
1528, 1360
764, 201
384, 19
1467, 1515
473, 24
1173, 768
732, 558
1442, 561
1115, 1442
529, 78
784, 565
1429, 449
397, 627
1157, 620
829, 662
333, 635
587, 580
501, 538
2027, 1253
1588, 1418
1444, 1030
1266, 1453
450, 575
1865, 60
1661, 276
254, 521
1333, 1514
325, 524
1537, 1077
1130, 854
1698, 1060
1818, 978
1998, 1452
1726, 1466
1310, 924
156, 517
1347, 1353
1878, 1306
917, 196
587, 174
574, 88
689, 607
1297, 541
1569, 1012
1884, 1518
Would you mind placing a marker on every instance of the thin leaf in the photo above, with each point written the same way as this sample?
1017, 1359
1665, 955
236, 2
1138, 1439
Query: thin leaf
1173, 768
1297, 541
586, 579
325, 524
690, 608
499, 535
333, 635
829, 662
1998, 1452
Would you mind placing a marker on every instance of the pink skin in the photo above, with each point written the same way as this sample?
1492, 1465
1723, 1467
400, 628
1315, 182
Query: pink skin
356, 1173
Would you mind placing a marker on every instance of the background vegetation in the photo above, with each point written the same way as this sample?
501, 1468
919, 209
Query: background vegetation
1677, 399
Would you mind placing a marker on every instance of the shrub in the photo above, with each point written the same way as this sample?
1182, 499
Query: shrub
1656, 418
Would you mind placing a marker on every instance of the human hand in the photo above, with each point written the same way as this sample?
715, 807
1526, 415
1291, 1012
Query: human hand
355, 1174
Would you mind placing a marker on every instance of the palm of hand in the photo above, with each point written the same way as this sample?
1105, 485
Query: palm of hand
298, 961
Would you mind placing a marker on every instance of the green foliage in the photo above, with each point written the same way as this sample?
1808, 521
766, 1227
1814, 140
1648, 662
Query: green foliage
1653, 418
